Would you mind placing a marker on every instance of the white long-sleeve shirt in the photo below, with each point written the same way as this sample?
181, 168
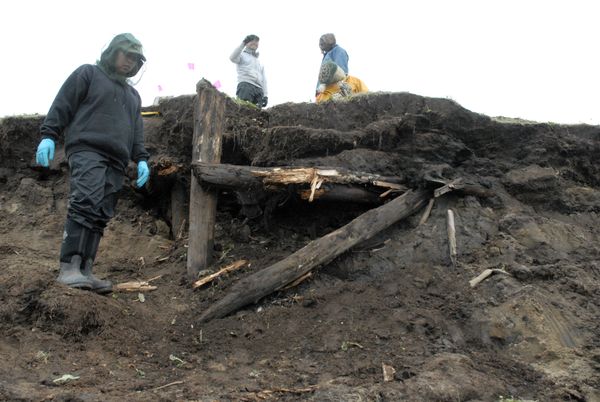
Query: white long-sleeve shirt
249, 68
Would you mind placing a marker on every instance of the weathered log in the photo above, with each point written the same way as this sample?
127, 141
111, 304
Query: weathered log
206, 147
234, 176
316, 253
325, 183
227, 176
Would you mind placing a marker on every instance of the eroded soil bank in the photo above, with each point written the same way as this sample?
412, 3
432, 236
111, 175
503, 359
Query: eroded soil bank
394, 300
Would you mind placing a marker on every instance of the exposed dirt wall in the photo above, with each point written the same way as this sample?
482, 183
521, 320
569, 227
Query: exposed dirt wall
530, 332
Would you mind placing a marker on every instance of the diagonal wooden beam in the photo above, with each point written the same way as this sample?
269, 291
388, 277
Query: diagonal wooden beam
316, 253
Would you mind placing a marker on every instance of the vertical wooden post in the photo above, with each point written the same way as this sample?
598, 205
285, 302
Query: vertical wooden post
209, 110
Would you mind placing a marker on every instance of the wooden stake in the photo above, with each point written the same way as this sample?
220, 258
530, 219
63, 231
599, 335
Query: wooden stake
427, 212
452, 238
206, 147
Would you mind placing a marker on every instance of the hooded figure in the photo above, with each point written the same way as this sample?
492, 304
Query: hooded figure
98, 113
128, 44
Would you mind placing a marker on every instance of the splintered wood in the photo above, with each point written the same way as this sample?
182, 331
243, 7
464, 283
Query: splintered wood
136, 286
388, 372
230, 268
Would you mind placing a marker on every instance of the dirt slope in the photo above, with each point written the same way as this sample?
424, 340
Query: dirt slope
394, 300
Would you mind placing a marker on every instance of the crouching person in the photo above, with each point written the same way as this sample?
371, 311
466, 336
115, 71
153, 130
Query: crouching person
99, 113
334, 83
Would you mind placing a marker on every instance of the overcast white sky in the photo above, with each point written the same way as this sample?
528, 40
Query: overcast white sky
531, 59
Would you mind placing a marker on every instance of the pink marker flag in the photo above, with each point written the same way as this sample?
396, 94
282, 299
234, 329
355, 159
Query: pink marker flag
159, 88
191, 66
217, 84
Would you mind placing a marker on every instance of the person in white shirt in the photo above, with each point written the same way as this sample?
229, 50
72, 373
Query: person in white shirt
252, 82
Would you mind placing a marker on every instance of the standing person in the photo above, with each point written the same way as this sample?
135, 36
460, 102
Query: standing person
252, 82
99, 113
331, 51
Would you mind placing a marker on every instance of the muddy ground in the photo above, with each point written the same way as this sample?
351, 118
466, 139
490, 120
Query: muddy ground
396, 300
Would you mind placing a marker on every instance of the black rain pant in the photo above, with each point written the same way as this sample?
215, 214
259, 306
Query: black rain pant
95, 183
248, 92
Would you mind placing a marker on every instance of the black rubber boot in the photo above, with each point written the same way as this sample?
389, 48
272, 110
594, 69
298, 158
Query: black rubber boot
70, 274
100, 286
71, 252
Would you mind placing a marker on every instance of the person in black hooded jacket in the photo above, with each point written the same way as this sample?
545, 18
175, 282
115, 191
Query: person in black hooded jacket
99, 113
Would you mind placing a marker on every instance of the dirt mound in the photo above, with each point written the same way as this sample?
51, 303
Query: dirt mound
394, 303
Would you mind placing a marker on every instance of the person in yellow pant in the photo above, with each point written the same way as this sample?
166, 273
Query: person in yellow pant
335, 84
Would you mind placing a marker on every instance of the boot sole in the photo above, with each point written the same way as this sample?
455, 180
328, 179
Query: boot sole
102, 291
80, 286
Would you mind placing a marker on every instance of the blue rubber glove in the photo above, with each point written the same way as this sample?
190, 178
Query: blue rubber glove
45, 152
143, 173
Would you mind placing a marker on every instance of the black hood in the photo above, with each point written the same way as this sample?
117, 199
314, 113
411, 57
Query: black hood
127, 43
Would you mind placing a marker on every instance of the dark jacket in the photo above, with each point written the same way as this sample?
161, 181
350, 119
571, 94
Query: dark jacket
97, 114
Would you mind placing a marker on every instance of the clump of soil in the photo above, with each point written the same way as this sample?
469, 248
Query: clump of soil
394, 301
